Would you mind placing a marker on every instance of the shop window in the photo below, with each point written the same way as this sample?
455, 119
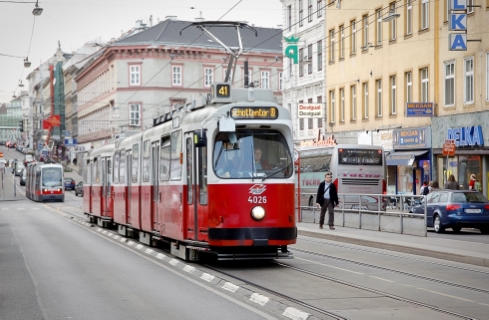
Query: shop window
404, 179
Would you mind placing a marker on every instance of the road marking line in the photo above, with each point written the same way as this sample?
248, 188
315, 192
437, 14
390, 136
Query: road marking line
160, 256
207, 277
149, 251
230, 287
188, 269
382, 279
139, 246
447, 295
295, 314
173, 262
258, 298
327, 265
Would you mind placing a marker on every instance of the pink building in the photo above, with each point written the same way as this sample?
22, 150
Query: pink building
138, 77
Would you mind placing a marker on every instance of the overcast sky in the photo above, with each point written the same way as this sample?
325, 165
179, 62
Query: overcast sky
73, 22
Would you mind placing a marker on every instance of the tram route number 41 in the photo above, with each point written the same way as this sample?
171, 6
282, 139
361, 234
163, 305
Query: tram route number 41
257, 199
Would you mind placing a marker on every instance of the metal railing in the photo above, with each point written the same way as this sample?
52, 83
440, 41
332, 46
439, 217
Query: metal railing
393, 213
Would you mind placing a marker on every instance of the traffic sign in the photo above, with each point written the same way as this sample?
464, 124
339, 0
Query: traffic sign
449, 147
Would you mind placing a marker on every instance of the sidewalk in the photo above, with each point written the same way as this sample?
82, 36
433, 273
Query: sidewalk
75, 173
446, 249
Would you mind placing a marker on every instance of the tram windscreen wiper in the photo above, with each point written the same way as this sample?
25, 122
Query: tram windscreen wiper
274, 173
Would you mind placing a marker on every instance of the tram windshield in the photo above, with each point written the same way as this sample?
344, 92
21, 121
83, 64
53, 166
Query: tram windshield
52, 177
252, 154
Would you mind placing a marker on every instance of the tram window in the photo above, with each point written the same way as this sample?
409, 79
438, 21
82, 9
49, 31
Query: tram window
122, 167
146, 158
176, 150
115, 172
165, 159
189, 163
203, 174
96, 172
135, 163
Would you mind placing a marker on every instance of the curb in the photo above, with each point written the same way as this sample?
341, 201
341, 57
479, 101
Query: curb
432, 253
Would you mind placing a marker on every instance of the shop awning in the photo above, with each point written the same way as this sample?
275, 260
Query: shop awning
404, 158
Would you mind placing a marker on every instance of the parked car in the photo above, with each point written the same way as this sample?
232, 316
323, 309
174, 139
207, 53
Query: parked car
79, 189
69, 183
456, 209
18, 167
22, 177
28, 158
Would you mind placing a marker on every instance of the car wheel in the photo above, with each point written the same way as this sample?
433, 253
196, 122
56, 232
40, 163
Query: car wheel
437, 225
484, 230
456, 229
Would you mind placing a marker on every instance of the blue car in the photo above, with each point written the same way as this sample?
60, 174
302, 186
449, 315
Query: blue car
456, 209
69, 183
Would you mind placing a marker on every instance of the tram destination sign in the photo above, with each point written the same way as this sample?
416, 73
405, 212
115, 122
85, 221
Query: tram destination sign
263, 113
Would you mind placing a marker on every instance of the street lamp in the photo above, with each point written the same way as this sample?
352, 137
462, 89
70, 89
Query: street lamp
37, 11
27, 63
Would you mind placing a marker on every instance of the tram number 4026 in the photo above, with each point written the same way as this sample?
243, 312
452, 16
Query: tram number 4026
257, 199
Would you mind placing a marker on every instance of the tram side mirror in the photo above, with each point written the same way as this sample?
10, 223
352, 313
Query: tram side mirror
200, 138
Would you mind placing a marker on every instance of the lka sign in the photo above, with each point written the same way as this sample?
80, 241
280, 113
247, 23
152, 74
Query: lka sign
470, 136
457, 21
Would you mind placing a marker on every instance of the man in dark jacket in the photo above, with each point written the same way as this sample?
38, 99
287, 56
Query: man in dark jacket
327, 198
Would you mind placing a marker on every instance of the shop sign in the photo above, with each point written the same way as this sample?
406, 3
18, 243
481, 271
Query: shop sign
310, 110
466, 136
383, 138
416, 138
419, 109
320, 142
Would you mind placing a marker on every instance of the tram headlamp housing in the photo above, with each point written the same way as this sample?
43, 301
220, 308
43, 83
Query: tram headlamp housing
258, 213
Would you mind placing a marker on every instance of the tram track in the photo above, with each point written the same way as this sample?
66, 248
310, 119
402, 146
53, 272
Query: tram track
408, 274
394, 256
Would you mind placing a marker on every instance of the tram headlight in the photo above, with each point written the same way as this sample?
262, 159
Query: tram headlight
258, 213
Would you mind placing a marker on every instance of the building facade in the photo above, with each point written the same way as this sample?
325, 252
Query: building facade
304, 79
146, 74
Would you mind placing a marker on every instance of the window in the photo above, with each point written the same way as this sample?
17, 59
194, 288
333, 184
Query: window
309, 59
470, 8
135, 163
425, 14
135, 75
122, 167
289, 18
365, 100
365, 31
342, 104
165, 159
353, 37
265, 80
487, 75
409, 17
301, 58
208, 76
320, 120
449, 83
320, 55
301, 124
309, 10
310, 123
469, 80
176, 150
424, 85
177, 75
353, 103
331, 45
281, 81
320, 8
378, 27
393, 22
409, 87
393, 95
301, 14
135, 115
378, 98
342, 42
332, 107
115, 171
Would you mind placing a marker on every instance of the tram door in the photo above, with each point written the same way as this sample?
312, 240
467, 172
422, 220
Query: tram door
105, 182
417, 180
156, 193
87, 187
127, 218
196, 183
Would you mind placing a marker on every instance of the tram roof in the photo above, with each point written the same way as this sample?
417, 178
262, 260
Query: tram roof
107, 149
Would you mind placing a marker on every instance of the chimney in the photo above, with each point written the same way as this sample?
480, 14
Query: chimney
199, 18
171, 18
150, 21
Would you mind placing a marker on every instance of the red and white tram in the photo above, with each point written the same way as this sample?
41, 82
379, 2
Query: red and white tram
214, 177
44, 181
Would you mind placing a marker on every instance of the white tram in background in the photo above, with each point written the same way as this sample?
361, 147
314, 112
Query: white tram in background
196, 179
45, 181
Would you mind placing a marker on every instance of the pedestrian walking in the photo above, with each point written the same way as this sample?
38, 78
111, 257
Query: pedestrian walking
452, 184
327, 199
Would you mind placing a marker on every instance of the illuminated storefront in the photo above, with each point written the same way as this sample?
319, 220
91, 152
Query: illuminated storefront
470, 133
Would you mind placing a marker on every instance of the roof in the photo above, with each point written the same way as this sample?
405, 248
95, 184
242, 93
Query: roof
168, 32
